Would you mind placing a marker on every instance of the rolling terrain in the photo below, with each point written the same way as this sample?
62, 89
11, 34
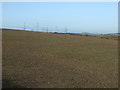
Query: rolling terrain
49, 60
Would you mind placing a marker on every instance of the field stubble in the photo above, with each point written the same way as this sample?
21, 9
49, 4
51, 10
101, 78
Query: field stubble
44, 60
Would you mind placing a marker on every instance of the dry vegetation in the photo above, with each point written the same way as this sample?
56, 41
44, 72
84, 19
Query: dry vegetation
45, 60
103, 36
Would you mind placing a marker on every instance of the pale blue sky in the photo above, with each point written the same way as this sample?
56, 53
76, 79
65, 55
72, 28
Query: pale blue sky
93, 17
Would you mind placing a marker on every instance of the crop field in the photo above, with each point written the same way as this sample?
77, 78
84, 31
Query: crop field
49, 60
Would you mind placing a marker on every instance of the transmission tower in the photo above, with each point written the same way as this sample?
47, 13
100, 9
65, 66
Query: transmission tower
37, 27
24, 26
65, 29
47, 29
56, 29
42, 29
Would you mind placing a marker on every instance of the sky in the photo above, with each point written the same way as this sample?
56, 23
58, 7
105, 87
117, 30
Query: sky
77, 17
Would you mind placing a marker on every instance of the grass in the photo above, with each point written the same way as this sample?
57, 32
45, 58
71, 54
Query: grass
45, 60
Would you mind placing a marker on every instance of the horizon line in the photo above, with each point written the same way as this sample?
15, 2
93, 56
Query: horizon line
34, 30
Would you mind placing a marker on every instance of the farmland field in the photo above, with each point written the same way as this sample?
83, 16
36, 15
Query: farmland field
46, 60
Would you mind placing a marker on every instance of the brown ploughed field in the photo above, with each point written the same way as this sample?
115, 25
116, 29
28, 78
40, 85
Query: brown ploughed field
46, 60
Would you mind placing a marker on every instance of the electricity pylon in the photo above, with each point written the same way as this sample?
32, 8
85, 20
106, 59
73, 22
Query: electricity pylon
47, 29
24, 26
65, 29
37, 27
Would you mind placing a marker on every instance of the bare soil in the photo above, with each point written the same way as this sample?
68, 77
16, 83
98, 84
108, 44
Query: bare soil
45, 60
